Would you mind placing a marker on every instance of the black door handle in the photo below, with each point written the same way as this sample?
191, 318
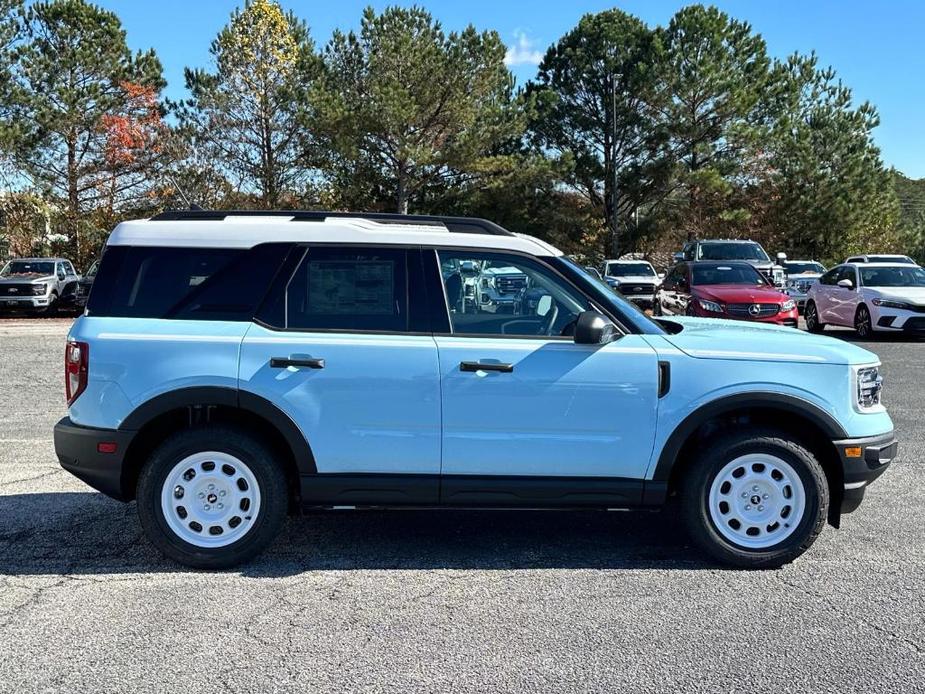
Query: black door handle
481, 366
283, 362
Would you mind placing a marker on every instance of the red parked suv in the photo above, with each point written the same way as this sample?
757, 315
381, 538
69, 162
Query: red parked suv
723, 289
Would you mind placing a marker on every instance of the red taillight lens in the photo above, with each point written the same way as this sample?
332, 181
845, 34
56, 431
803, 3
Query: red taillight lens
76, 366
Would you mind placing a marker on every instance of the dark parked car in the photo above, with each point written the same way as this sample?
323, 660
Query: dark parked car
83, 286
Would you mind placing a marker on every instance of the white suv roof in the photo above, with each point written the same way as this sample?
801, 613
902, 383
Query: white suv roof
201, 228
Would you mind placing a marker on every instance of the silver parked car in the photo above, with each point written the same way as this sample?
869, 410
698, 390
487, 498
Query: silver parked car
801, 275
37, 284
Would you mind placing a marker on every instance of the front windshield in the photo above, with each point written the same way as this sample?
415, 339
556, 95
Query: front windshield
630, 270
616, 302
28, 267
726, 274
732, 251
909, 276
803, 268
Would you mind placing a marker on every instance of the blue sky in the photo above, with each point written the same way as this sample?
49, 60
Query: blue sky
876, 48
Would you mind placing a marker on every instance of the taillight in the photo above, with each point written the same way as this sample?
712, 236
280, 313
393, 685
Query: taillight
76, 366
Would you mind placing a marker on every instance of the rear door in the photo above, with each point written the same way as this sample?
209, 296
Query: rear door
342, 346
530, 417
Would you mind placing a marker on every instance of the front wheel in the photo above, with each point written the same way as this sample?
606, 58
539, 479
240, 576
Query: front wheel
755, 499
212, 497
811, 316
862, 322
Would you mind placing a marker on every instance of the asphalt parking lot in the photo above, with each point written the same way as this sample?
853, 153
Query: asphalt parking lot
445, 601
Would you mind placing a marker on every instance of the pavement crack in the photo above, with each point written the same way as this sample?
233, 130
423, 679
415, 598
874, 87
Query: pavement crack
879, 628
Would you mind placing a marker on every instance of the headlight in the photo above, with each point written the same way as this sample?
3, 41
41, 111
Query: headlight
711, 306
788, 305
869, 385
886, 303
39, 289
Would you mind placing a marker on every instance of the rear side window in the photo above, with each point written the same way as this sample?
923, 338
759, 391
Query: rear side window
343, 288
184, 283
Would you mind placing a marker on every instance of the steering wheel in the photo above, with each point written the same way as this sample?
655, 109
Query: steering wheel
549, 320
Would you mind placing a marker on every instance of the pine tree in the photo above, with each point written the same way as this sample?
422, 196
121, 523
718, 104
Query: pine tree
402, 106
70, 74
242, 116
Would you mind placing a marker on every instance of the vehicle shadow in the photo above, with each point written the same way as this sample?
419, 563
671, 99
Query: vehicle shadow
83, 533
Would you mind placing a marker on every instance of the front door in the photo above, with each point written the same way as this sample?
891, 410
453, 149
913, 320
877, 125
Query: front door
528, 415
341, 354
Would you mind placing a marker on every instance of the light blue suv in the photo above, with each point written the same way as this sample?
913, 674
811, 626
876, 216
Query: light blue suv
234, 367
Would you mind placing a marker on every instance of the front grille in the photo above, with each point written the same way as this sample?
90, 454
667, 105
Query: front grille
744, 310
16, 290
509, 285
632, 289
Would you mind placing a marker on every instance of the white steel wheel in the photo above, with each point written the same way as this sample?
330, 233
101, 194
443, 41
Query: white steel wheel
210, 499
756, 501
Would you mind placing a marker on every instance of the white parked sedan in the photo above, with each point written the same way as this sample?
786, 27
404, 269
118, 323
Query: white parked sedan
887, 297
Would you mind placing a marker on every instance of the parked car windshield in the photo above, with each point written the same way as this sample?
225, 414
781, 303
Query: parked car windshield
794, 268
732, 251
738, 273
884, 259
910, 276
630, 270
22, 267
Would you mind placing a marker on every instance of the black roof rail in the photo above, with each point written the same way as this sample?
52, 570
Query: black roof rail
459, 225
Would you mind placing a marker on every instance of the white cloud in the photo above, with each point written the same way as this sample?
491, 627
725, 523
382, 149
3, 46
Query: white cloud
523, 52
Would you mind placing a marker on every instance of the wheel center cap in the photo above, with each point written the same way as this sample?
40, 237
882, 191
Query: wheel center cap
756, 499
211, 498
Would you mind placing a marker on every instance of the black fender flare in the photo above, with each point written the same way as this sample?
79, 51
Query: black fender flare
243, 400
730, 403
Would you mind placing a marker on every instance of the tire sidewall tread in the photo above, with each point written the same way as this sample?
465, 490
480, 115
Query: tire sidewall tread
250, 450
719, 451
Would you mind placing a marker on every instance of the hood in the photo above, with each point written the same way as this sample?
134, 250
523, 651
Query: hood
739, 294
713, 338
634, 279
496, 271
915, 295
31, 277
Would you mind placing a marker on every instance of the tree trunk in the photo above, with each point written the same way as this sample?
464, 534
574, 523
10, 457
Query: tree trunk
401, 193
73, 200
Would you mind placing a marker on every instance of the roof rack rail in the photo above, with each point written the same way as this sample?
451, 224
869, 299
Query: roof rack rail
459, 225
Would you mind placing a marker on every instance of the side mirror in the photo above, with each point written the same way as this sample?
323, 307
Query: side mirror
593, 329
781, 257
661, 275
846, 284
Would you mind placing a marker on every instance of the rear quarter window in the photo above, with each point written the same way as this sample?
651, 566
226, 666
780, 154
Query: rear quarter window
184, 283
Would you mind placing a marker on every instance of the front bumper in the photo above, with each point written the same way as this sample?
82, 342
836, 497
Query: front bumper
78, 451
24, 303
897, 320
863, 460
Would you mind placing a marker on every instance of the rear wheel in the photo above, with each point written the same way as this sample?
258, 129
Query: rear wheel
862, 322
811, 316
755, 499
211, 497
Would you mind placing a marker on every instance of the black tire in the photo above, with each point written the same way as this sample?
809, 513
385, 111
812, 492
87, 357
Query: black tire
713, 458
270, 479
862, 323
811, 316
